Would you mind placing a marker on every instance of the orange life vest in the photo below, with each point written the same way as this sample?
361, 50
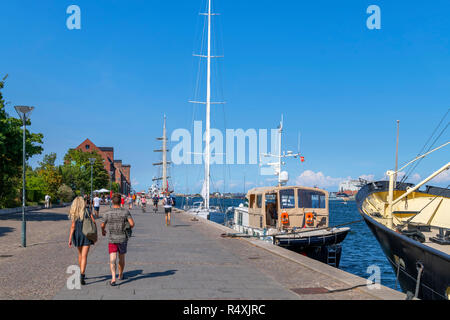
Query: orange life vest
284, 218
309, 218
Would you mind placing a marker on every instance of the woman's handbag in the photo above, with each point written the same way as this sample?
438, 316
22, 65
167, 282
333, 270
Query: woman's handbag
89, 227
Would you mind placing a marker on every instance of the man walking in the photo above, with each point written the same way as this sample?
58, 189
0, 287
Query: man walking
96, 205
115, 220
167, 202
130, 202
47, 201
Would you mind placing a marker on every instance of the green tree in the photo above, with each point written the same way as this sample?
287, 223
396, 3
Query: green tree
51, 175
11, 153
35, 185
65, 193
115, 187
76, 171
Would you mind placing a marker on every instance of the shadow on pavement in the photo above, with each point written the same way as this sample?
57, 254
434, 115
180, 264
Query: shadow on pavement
35, 216
181, 225
137, 275
4, 230
131, 276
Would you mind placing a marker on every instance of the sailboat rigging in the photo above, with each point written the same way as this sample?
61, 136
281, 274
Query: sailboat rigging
205, 209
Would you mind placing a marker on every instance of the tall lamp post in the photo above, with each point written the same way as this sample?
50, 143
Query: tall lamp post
110, 180
91, 160
24, 113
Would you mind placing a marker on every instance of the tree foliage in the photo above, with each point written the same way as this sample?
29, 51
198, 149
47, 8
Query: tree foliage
115, 187
76, 171
65, 193
11, 153
50, 174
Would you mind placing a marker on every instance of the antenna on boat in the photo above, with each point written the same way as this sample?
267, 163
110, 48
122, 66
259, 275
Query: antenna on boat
396, 155
283, 176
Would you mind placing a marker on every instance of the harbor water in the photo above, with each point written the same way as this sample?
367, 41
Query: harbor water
360, 249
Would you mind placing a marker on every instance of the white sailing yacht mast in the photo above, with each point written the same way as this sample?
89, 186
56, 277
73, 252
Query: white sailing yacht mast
206, 183
208, 109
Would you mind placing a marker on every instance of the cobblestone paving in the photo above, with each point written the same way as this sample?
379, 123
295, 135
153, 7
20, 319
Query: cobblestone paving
39, 270
187, 260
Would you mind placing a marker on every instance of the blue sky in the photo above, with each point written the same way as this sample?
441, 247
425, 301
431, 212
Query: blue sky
339, 84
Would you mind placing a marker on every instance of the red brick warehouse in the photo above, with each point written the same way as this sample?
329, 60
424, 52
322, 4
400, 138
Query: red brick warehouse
118, 172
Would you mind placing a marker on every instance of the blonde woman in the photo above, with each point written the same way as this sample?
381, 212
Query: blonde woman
76, 237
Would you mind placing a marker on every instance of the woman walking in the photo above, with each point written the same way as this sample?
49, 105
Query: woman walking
78, 212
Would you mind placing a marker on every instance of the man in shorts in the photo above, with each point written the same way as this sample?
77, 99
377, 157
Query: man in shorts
115, 219
96, 205
155, 201
167, 202
130, 202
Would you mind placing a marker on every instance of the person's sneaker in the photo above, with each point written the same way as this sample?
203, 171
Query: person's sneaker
82, 277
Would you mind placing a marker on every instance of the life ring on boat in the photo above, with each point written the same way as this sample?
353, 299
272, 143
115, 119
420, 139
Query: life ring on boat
309, 218
284, 218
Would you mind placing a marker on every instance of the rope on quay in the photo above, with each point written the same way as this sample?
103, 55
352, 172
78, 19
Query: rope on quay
243, 235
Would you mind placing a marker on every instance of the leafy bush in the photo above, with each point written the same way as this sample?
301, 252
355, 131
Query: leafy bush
65, 193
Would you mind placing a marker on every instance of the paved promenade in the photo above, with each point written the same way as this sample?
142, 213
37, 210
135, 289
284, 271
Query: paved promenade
37, 271
190, 260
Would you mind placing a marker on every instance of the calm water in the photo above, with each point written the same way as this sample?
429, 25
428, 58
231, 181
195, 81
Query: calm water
360, 249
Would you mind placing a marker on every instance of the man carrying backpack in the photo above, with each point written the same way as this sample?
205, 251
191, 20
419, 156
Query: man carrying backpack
118, 222
167, 202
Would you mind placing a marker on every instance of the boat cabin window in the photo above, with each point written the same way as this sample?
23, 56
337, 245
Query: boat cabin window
287, 198
252, 201
259, 200
271, 198
311, 199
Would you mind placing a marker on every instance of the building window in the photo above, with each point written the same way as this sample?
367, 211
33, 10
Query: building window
88, 147
287, 198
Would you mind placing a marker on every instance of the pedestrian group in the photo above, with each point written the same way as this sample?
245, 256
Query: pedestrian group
117, 225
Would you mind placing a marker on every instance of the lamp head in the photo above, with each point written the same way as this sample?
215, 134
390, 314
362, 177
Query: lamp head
23, 111
92, 160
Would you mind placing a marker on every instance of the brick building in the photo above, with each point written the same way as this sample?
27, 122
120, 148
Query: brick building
118, 172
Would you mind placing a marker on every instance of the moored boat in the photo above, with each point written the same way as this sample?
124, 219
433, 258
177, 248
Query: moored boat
413, 229
293, 217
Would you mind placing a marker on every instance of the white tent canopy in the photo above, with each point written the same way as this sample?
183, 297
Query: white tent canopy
101, 190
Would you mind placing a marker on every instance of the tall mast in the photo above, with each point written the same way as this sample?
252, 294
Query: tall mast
279, 151
164, 161
207, 153
396, 154
208, 107
164, 157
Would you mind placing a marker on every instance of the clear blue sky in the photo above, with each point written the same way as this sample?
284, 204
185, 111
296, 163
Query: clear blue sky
340, 84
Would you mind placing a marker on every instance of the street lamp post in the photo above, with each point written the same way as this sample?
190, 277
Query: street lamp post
91, 160
110, 180
23, 112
